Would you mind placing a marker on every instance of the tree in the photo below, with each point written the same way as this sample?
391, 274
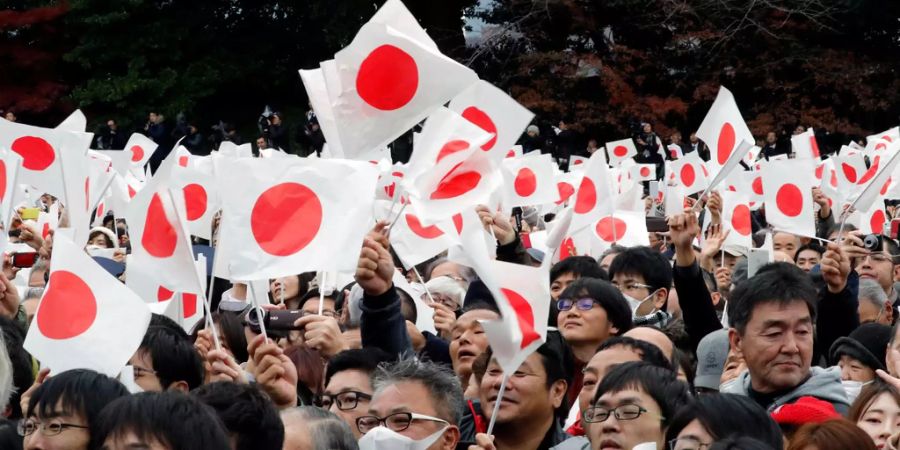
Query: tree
31, 45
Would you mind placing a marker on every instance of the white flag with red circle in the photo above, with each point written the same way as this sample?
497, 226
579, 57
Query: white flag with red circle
136, 154
880, 141
388, 81
804, 145
723, 128
529, 181
690, 173
39, 149
736, 218
201, 196
620, 151
675, 151
446, 136
317, 91
76, 175
871, 220
494, 112
287, 218
86, 318
522, 294
578, 162
595, 196
876, 177
453, 185
414, 242
642, 172
787, 187
10, 164
625, 228
566, 185
850, 169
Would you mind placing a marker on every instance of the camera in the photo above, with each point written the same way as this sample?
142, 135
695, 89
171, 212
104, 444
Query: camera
277, 323
873, 242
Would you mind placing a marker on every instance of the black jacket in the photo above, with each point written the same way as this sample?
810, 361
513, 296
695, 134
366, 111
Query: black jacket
382, 324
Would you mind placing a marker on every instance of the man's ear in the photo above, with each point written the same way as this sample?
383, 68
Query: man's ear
660, 297
450, 438
734, 339
716, 298
179, 386
558, 392
889, 312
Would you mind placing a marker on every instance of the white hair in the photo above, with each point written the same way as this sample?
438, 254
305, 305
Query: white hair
445, 285
871, 291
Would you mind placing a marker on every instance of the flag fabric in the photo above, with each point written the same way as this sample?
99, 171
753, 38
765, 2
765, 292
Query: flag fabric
723, 128
496, 113
86, 318
39, 148
595, 195
804, 145
620, 151
529, 181
787, 187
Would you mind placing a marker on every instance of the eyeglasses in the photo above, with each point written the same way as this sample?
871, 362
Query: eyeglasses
599, 414
688, 443
445, 300
345, 400
141, 371
583, 304
631, 286
394, 422
877, 257
26, 427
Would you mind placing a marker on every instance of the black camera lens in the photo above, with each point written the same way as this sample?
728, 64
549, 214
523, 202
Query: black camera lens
872, 242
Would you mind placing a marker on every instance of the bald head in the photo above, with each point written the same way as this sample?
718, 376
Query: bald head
655, 337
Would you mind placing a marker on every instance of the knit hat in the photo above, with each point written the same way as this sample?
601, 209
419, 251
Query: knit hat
867, 343
711, 354
804, 410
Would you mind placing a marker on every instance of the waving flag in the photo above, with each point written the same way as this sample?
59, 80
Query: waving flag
723, 128
787, 187
494, 112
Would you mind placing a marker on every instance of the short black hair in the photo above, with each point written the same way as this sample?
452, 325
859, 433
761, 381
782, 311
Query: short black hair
159, 320
742, 443
607, 296
173, 355
232, 328
365, 360
646, 262
580, 267
559, 364
172, 418
662, 385
811, 246
778, 282
724, 415
647, 351
247, 413
79, 391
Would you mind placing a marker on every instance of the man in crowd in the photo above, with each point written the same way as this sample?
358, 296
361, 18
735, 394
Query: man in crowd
167, 360
348, 386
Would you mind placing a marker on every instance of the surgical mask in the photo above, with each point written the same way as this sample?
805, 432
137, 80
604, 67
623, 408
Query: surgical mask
635, 304
728, 385
383, 438
852, 388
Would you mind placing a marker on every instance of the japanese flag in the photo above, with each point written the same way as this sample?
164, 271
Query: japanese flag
496, 113
675, 152
137, 152
736, 218
522, 294
578, 162
317, 90
453, 185
514, 152
566, 184
39, 149
850, 169
446, 136
787, 187
595, 196
10, 163
86, 318
877, 177
626, 228
879, 142
201, 197
690, 173
529, 181
642, 172
620, 151
388, 80
723, 128
287, 218
804, 145
873, 219
389, 183
414, 242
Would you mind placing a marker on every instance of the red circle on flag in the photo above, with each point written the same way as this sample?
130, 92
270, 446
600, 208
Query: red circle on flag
620, 151
819, 171
456, 145
524, 316
814, 146
37, 154
87, 192
645, 171
511, 154
688, 175
131, 192
611, 229
740, 220
877, 221
68, 308
286, 218
526, 182
567, 249
189, 304
183, 161
480, 118
789, 200
880, 146
2, 179
429, 232
388, 78
159, 237
725, 144
579, 162
884, 189
849, 172
195, 199
565, 191
137, 153
757, 186
458, 223
887, 138
455, 184
163, 294
587, 197
834, 181
869, 173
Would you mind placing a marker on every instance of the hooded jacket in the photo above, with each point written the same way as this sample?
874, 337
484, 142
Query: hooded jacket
823, 384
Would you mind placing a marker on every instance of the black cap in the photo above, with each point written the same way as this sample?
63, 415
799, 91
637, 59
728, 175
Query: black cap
868, 344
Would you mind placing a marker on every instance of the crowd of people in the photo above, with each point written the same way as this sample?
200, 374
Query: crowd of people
671, 345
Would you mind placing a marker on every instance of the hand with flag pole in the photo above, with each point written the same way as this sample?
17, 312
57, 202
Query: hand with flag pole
275, 373
376, 266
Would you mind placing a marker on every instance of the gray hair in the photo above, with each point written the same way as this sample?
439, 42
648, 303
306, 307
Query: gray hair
442, 384
533, 128
7, 388
326, 429
871, 291
447, 286
467, 273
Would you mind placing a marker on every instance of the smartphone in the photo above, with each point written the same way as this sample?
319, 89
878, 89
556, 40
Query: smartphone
24, 260
30, 213
657, 225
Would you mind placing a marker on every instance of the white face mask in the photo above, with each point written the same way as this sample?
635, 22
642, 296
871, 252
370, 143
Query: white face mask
635, 304
724, 387
852, 388
383, 438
